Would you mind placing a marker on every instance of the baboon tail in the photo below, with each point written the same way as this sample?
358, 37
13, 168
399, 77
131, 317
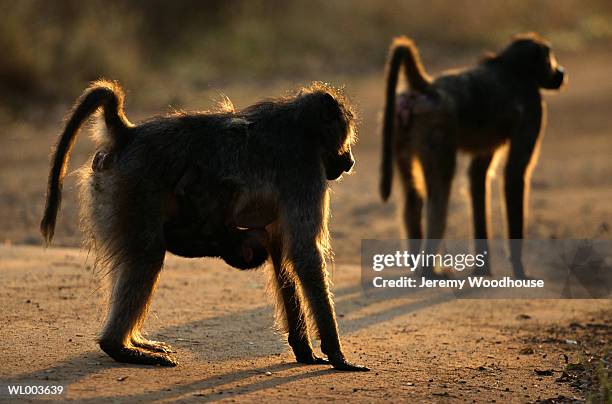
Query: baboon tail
402, 52
105, 94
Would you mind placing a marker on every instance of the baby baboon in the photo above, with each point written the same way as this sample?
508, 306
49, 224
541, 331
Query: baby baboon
195, 229
196, 226
477, 111
235, 184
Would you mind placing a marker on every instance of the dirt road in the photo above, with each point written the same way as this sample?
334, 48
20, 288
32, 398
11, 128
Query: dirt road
222, 329
220, 320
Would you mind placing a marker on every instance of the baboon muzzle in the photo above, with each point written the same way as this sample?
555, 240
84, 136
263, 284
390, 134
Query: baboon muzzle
342, 164
557, 79
349, 163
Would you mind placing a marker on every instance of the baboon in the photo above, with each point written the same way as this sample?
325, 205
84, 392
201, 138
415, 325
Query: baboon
240, 184
477, 111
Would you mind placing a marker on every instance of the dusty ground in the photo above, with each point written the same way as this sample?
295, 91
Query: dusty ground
418, 348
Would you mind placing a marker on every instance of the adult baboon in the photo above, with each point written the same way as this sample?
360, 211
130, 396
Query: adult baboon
256, 178
476, 110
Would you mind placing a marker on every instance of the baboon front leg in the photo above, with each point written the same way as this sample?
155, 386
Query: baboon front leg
516, 186
297, 329
413, 204
309, 266
480, 212
134, 279
304, 231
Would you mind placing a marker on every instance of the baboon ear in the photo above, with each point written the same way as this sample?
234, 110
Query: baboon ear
329, 107
329, 98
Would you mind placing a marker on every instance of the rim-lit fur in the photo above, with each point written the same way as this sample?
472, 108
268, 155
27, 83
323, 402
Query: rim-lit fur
476, 110
265, 166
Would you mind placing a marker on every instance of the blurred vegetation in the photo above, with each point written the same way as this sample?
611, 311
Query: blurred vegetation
51, 49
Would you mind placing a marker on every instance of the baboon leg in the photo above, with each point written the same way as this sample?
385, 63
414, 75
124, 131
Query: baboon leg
438, 170
309, 266
304, 231
517, 176
297, 329
480, 211
413, 205
135, 268
134, 284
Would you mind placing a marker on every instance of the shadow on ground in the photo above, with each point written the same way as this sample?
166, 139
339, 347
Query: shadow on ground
347, 300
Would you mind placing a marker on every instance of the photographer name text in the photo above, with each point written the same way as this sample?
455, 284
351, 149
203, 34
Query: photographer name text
470, 281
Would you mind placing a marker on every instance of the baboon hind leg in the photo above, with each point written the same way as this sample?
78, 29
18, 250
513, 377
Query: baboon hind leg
134, 284
478, 173
297, 329
135, 267
439, 169
413, 204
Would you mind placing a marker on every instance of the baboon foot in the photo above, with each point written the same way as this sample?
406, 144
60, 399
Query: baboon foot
344, 365
304, 353
126, 354
311, 360
518, 269
155, 346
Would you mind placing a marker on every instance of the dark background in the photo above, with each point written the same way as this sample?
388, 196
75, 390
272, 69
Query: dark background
185, 54
50, 50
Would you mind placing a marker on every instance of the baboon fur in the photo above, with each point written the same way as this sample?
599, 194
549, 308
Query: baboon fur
255, 180
476, 110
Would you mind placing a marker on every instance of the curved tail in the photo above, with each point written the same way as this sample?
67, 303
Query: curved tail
402, 52
105, 94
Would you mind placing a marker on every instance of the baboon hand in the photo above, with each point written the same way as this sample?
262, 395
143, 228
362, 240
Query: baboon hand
303, 351
339, 362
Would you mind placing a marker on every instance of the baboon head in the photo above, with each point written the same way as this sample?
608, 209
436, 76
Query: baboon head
532, 56
332, 122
